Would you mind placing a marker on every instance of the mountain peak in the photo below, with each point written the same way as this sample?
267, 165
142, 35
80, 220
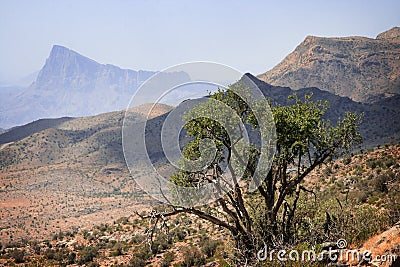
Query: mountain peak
392, 35
62, 53
59, 48
63, 64
361, 68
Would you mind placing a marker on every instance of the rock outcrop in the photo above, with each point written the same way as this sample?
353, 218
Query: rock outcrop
360, 68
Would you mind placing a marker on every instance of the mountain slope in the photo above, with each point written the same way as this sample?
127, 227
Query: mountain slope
380, 125
19, 132
360, 68
70, 174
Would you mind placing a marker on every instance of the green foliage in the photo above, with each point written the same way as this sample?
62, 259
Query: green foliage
118, 249
178, 233
298, 124
383, 162
192, 257
167, 259
140, 256
87, 255
304, 140
209, 246
161, 243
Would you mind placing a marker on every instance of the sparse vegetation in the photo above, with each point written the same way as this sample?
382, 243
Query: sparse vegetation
87, 255
366, 205
355, 197
192, 256
18, 255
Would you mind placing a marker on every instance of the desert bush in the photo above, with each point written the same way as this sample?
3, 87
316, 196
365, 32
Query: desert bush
142, 252
359, 170
49, 254
18, 255
71, 258
359, 196
123, 220
87, 255
118, 249
380, 183
330, 219
162, 243
192, 256
61, 254
178, 233
209, 246
137, 239
136, 262
327, 171
140, 256
383, 162
168, 258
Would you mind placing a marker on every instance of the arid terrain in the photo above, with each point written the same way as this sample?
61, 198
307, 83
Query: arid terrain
360, 68
116, 235
67, 197
68, 177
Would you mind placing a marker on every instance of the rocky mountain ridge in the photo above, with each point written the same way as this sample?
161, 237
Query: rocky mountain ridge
360, 68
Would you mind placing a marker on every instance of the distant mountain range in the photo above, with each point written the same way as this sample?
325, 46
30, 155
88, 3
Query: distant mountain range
381, 122
70, 84
363, 69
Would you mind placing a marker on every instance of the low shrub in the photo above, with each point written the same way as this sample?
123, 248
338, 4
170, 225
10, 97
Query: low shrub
192, 256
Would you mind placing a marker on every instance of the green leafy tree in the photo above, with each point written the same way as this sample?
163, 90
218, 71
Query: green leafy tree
304, 140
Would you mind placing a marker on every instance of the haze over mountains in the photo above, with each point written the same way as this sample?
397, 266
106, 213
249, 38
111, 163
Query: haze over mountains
70, 84
360, 68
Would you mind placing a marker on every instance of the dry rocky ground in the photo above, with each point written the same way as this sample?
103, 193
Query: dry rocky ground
68, 177
67, 198
111, 233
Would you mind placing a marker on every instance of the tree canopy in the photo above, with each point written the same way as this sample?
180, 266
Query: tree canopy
230, 140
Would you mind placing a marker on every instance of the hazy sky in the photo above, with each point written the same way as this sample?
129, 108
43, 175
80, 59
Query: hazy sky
251, 36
